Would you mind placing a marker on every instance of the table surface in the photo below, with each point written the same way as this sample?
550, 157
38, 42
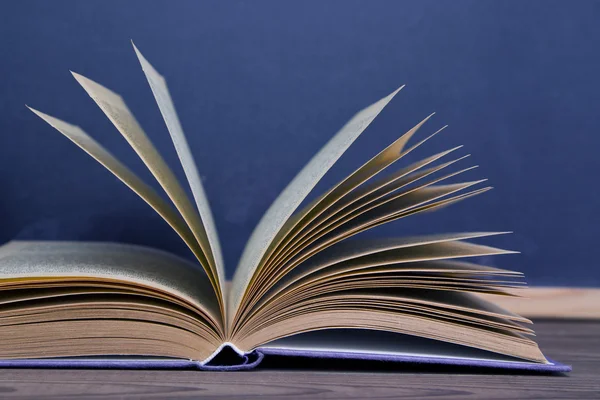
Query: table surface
572, 342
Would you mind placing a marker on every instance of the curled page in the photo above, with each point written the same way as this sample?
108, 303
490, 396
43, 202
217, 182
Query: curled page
118, 113
359, 198
350, 254
296, 191
108, 161
305, 217
167, 109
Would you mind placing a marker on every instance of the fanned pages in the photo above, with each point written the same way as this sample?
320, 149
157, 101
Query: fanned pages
167, 109
307, 282
385, 158
95, 150
296, 191
118, 113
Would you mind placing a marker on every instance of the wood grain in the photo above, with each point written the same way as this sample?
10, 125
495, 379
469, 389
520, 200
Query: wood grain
552, 302
574, 342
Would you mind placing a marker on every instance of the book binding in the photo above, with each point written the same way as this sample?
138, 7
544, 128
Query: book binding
253, 359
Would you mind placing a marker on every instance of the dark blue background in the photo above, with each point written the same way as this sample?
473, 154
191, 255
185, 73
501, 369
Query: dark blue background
260, 86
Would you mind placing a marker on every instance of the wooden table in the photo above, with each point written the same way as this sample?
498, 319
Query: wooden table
573, 342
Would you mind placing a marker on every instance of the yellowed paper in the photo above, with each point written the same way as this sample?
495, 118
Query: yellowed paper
128, 263
296, 191
350, 255
385, 158
167, 109
118, 113
106, 159
357, 201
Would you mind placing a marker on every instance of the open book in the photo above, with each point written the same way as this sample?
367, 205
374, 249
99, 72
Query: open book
305, 286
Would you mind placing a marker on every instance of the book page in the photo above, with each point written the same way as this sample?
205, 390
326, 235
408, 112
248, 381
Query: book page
370, 342
386, 201
351, 254
296, 191
384, 159
125, 175
118, 113
445, 305
412, 203
167, 109
358, 312
366, 255
357, 200
29, 260
380, 187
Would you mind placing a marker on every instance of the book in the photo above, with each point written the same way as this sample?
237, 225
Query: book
305, 285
